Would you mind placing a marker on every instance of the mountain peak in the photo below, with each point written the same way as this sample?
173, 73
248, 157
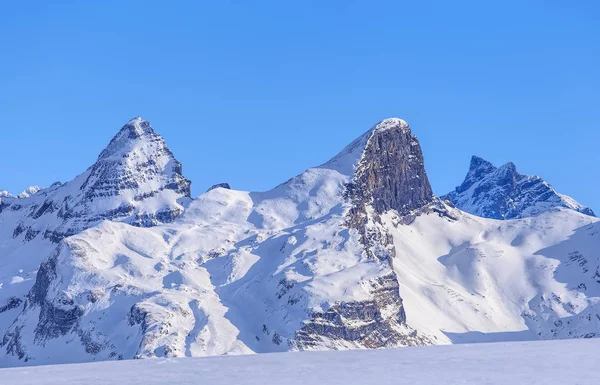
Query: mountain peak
136, 127
137, 159
390, 124
5, 194
390, 172
136, 179
29, 191
347, 160
134, 131
219, 185
478, 163
477, 169
503, 193
508, 167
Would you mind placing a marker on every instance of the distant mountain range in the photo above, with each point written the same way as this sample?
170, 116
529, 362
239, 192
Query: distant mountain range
503, 193
122, 262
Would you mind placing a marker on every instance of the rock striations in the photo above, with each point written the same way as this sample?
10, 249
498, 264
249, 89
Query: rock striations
136, 179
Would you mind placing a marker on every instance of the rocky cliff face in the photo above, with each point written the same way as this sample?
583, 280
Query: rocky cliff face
503, 193
391, 173
389, 176
374, 323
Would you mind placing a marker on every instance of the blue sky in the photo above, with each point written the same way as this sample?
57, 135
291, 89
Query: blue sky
254, 92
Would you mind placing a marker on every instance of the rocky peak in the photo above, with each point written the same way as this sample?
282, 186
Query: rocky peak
219, 185
391, 171
137, 159
479, 164
478, 168
389, 175
136, 179
131, 134
504, 193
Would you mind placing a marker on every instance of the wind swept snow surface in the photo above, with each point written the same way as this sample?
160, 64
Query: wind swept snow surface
573, 362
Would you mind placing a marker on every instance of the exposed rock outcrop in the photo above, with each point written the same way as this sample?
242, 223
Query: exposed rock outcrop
219, 185
376, 323
390, 175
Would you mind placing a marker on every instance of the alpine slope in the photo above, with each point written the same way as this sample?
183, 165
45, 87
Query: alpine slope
356, 253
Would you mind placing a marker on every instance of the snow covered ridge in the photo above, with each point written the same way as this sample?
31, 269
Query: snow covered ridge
355, 253
503, 193
29, 191
530, 363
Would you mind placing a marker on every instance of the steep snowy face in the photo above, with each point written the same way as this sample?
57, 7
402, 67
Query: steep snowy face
503, 193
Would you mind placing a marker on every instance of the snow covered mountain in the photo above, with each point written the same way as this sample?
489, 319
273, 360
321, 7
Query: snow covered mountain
355, 253
503, 193
29, 191
135, 180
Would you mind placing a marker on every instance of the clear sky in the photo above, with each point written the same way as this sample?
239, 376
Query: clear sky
254, 92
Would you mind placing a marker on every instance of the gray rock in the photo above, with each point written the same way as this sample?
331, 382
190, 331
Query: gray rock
389, 176
219, 185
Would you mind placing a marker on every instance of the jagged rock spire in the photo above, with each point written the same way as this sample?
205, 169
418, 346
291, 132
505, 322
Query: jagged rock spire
391, 172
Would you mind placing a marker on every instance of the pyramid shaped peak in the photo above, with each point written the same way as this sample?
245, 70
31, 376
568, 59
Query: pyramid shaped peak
478, 162
135, 133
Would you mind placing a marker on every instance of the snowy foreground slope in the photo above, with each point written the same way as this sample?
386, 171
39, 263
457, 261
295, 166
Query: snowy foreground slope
355, 253
573, 362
